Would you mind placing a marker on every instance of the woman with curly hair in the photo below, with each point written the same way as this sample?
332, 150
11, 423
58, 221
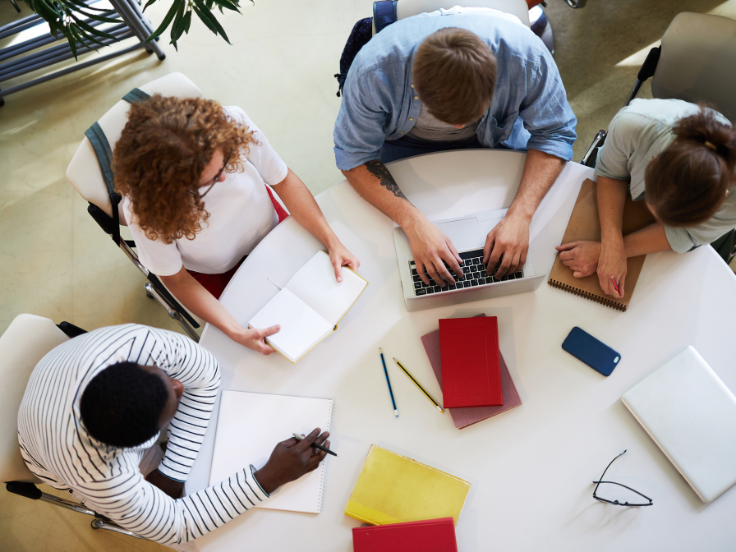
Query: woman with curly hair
680, 159
194, 177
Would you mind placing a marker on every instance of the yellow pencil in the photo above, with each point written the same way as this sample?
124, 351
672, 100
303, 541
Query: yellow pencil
434, 402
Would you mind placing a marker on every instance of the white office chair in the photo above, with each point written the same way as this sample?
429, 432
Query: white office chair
85, 174
696, 63
26, 341
408, 8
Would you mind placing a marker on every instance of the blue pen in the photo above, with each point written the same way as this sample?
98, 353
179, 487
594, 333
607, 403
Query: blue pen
388, 382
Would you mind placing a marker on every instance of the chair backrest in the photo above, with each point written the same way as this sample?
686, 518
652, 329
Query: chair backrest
22, 346
698, 62
407, 8
84, 171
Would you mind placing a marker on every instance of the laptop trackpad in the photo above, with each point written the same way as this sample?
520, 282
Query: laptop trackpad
463, 233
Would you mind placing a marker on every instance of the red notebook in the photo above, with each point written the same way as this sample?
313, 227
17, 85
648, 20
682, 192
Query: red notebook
464, 417
432, 535
471, 362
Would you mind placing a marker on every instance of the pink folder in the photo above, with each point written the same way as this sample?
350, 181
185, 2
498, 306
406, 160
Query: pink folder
463, 417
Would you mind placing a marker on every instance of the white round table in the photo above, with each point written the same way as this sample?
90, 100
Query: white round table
530, 468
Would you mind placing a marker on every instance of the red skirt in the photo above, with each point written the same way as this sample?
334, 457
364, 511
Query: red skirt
215, 283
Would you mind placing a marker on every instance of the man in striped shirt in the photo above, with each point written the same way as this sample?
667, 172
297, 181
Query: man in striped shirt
96, 403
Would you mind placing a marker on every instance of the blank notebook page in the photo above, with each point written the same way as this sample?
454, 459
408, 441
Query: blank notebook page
315, 283
301, 326
250, 425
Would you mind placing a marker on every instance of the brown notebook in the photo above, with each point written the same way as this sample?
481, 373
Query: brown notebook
585, 225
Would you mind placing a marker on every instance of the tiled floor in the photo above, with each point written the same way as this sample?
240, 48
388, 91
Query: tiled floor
56, 262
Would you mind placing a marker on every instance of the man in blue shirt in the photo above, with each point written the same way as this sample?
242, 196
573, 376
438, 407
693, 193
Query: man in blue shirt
449, 80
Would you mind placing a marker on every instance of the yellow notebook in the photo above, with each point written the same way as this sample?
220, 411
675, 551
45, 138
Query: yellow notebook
392, 488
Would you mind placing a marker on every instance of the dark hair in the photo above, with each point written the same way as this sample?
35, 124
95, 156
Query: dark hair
122, 405
454, 73
686, 183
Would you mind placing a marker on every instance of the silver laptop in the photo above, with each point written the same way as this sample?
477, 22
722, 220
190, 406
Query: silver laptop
468, 234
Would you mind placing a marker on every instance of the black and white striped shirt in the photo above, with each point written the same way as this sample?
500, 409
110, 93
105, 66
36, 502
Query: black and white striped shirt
58, 449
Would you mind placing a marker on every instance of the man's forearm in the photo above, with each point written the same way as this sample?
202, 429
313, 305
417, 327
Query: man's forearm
540, 172
374, 182
611, 198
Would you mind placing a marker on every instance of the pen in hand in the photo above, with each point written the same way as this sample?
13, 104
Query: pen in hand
299, 437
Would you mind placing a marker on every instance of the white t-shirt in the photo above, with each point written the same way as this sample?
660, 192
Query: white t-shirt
241, 214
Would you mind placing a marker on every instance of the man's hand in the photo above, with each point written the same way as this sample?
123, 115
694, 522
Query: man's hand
340, 257
510, 240
291, 459
612, 264
430, 247
169, 486
256, 339
580, 256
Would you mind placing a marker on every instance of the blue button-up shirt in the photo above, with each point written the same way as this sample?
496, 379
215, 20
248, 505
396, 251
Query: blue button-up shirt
529, 108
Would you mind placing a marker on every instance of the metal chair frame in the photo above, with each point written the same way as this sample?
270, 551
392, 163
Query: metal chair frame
155, 289
131, 24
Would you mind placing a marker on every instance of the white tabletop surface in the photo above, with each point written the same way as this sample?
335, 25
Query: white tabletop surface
530, 468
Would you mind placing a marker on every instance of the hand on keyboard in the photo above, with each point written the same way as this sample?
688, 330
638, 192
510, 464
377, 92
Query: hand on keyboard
507, 243
433, 254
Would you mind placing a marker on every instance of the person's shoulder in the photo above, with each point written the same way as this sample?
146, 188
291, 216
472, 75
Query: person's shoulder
657, 111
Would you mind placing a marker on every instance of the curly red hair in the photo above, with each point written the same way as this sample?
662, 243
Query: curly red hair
161, 154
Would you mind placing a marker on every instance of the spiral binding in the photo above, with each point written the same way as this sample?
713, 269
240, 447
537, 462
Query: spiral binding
587, 295
324, 465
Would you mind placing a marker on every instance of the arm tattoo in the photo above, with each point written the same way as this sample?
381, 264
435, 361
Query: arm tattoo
379, 170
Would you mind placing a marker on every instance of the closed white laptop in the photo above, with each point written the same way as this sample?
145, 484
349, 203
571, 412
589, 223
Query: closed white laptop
691, 415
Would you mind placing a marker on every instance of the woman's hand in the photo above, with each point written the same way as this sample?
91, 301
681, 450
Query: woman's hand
612, 264
256, 339
580, 256
339, 257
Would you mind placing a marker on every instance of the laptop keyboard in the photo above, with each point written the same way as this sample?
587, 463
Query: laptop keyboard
474, 275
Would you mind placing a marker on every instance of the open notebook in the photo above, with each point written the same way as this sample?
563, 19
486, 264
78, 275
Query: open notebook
309, 306
585, 225
250, 425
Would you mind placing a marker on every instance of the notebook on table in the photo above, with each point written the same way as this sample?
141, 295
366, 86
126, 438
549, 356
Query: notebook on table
691, 415
432, 535
309, 306
392, 488
585, 225
464, 417
471, 362
250, 425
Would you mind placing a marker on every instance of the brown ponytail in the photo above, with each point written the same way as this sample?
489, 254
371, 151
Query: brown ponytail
686, 183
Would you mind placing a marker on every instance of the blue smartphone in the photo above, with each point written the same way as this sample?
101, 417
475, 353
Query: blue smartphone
583, 346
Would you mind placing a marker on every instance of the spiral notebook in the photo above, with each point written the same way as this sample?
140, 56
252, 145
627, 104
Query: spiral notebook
250, 425
585, 225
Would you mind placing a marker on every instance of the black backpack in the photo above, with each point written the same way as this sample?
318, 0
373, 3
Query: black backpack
384, 13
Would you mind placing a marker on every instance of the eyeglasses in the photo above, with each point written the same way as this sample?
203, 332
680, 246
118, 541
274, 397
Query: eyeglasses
219, 174
605, 488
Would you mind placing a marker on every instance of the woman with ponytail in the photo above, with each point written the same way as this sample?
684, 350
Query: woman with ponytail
678, 157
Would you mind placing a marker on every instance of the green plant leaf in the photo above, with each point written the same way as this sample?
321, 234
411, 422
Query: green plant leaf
87, 36
177, 29
208, 14
80, 36
167, 20
81, 5
227, 5
90, 30
187, 21
148, 4
72, 40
